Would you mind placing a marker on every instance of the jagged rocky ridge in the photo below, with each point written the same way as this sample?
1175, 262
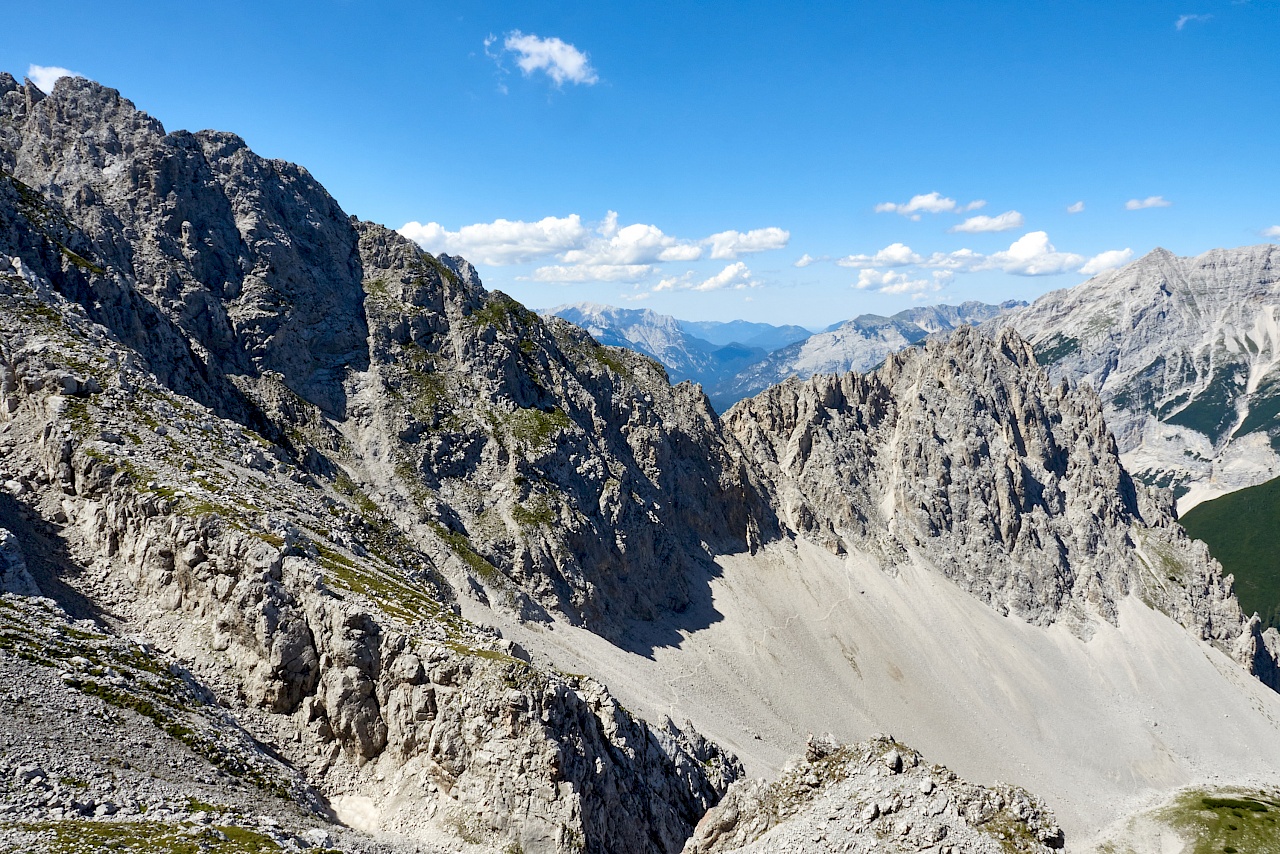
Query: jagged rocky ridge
963, 450
859, 344
282, 444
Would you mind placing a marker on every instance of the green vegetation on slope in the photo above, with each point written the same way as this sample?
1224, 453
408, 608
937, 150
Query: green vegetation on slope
1242, 530
1234, 825
1213, 411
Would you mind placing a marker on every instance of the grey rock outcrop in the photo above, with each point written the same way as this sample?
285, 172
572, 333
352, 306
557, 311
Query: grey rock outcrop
876, 796
242, 285
14, 576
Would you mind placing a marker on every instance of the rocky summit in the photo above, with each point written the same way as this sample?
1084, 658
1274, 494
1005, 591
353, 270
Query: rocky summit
1183, 352
308, 541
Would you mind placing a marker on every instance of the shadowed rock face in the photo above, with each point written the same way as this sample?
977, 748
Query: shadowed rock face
164, 295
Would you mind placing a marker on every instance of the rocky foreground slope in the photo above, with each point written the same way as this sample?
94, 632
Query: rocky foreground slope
281, 451
1185, 353
877, 796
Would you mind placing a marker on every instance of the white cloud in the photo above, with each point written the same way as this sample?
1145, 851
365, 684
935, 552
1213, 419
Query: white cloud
1183, 20
502, 241
44, 76
1002, 222
1033, 255
736, 276
804, 260
632, 244
559, 60
728, 245
893, 255
1148, 202
1273, 231
1075, 208
1030, 255
927, 203
889, 282
609, 253
1106, 261
594, 273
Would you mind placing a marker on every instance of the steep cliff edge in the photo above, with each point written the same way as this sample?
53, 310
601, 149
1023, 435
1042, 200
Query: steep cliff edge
243, 286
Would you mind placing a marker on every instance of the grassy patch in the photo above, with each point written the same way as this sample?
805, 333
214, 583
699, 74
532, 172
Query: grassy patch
1264, 412
1224, 825
142, 837
461, 546
504, 313
1242, 530
534, 427
537, 512
1055, 349
1140, 393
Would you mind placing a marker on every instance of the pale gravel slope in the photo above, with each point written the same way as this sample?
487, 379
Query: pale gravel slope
804, 641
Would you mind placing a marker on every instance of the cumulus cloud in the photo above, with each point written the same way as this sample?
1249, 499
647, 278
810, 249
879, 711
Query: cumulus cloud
893, 255
1001, 222
890, 282
1106, 261
1075, 208
1273, 231
594, 273
928, 203
1033, 255
558, 59
736, 276
502, 241
632, 244
1183, 20
728, 245
1030, 255
804, 260
1148, 202
44, 76
609, 252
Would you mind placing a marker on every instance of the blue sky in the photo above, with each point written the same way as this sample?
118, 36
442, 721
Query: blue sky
685, 156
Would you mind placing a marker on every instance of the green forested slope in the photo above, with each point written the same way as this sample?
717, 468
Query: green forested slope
1242, 530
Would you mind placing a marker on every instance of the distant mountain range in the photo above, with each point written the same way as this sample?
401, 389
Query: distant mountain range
738, 359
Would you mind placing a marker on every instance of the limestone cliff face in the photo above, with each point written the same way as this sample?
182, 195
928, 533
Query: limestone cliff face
964, 452
878, 796
566, 476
